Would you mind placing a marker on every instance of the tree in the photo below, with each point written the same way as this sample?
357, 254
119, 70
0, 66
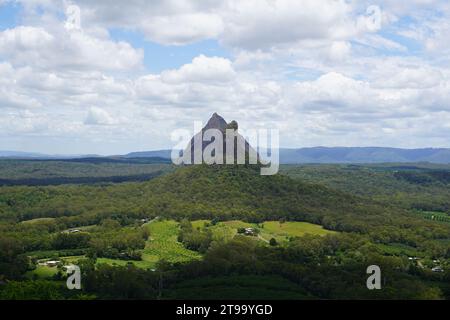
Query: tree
71, 241
273, 242
32, 290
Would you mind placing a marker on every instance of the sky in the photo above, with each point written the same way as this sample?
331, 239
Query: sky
111, 77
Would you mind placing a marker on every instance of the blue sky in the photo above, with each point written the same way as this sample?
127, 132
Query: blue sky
333, 73
161, 57
157, 57
9, 15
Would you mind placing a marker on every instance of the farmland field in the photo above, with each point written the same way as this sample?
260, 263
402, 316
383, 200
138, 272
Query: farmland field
38, 220
163, 244
281, 231
294, 228
42, 272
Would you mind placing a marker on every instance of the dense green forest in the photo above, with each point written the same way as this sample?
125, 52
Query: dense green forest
424, 187
390, 215
80, 171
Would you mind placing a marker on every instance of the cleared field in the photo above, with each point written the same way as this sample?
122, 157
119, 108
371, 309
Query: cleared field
200, 223
163, 244
294, 229
226, 230
37, 220
144, 264
42, 272
236, 224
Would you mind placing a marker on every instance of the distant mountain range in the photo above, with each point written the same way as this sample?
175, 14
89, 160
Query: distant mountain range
343, 155
363, 155
149, 154
293, 156
36, 155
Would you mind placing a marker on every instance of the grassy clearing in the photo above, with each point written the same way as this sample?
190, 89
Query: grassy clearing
71, 259
144, 264
163, 244
226, 230
200, 223
37, 220
236, 224
42, 272
294, 229
223, 232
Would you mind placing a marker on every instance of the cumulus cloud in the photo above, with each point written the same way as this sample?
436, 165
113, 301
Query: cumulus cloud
98, 116
323, 72
61, 48
17, 100
247, 25
202, 69
182, 28
412, 78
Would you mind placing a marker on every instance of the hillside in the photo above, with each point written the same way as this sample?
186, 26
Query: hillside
224, 193
239, 192
229, 192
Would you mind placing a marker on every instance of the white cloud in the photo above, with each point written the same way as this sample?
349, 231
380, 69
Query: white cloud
166, 22
202, 69
264, 24
340, 50
311, 68
98, 116
59, 49
16, 100
413, 78
249, 25
182, 28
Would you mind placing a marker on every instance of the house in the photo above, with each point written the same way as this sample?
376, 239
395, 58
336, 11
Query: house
249, 232
437, 269
52, 263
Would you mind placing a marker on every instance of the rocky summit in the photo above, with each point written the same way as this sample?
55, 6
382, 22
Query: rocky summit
240, 144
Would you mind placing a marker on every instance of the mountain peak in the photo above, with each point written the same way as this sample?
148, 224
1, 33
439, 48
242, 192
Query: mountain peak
219, 123
216, 122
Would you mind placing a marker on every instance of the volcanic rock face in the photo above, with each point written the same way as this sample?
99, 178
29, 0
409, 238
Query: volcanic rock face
239, 144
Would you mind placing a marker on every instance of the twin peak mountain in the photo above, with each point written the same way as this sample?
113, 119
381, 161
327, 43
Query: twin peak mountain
234, 145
